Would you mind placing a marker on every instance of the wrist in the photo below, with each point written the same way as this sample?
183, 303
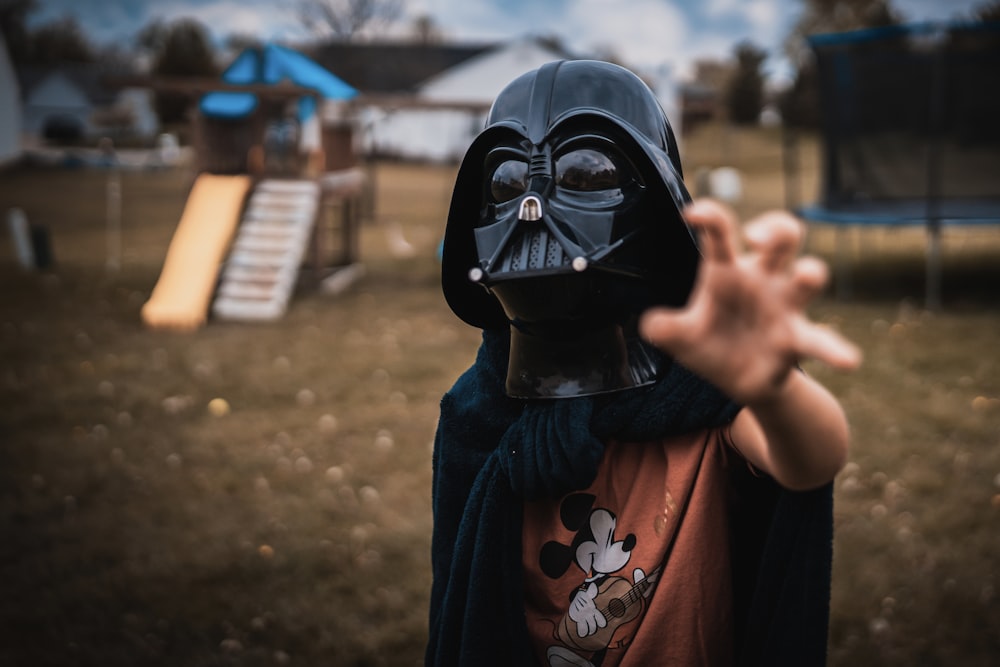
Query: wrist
777, 393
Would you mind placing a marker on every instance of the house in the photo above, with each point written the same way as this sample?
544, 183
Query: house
10, 108
455, 103
429, 101
389, 76
72, 102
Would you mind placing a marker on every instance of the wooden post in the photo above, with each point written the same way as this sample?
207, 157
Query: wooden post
933, 270
843, 270
20, 234
790, 163
934, 177
113, 261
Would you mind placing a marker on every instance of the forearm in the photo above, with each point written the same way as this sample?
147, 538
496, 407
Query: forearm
799, 434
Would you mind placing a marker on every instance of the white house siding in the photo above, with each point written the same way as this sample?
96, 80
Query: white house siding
437, 135
139, 103
445, 134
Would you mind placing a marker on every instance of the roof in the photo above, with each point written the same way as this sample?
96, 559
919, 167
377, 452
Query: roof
272, 64
383, 67
89, 78
484, 75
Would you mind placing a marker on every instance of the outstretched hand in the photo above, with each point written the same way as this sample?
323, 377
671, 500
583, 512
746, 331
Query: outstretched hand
744, 327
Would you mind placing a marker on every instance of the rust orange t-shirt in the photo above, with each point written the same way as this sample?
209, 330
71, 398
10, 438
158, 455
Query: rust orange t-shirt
634, 571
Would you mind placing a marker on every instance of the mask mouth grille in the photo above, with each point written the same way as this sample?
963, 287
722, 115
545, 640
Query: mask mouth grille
532, 250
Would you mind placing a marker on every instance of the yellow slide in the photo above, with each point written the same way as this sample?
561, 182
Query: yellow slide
181, 297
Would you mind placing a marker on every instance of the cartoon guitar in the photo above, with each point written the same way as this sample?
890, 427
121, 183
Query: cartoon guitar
620, 601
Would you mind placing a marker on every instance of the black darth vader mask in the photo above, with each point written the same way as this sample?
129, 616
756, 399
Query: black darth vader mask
565, 225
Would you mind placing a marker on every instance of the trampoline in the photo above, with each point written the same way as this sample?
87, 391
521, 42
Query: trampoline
910, 130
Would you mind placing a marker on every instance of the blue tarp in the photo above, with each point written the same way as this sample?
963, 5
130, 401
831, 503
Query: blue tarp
271, 65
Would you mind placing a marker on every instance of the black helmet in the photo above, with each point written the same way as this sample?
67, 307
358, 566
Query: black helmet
565, 225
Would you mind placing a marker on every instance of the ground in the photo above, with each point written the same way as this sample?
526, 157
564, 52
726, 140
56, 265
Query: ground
259, 494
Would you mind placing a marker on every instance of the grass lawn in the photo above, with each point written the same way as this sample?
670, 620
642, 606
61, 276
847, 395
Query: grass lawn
141, 527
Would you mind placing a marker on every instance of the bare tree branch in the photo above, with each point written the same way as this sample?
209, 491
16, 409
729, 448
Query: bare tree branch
347, 19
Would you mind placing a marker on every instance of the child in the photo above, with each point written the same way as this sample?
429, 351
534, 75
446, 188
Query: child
633, 472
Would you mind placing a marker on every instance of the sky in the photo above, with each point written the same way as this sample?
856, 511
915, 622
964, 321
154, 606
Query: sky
641, 33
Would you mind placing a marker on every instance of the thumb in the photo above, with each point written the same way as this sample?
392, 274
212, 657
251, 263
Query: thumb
666, 328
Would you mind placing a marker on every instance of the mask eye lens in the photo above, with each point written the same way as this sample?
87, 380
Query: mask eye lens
510, 180
586, 170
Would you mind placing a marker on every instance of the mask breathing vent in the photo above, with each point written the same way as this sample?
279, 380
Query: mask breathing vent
531, 209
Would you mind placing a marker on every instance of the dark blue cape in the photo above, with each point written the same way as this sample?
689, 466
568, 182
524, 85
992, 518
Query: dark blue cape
492, 452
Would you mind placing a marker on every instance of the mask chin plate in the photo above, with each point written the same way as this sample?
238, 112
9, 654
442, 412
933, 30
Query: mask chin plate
595, 362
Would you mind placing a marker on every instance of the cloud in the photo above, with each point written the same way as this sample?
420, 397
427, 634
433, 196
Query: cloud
770, 22
936, 10
762, 14
102, 22
489, 21
227, 17
642, 32
717, 8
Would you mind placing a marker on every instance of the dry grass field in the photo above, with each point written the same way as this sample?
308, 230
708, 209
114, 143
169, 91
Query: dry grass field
140, 527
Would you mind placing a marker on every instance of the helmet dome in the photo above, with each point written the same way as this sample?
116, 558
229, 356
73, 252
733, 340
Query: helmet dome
565, 221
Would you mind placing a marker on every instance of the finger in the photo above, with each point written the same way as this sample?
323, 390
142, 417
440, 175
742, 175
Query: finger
809, 277
776, 237
667, 329
825, 345
716, 224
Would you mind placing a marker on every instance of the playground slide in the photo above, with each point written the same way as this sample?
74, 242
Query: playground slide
181, 297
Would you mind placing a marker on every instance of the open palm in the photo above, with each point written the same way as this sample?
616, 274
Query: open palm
744, 327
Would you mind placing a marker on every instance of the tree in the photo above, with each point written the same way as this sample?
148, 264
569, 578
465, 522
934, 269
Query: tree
152, 36
237, 42
180, 49
745, 89
989, 11
819, 16
348, 19
60, 41
800, 103
425, 30
13, 20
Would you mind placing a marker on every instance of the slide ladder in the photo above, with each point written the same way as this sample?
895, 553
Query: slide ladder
262, 269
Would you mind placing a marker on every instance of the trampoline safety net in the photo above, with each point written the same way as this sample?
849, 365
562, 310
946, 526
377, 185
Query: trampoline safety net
911, 125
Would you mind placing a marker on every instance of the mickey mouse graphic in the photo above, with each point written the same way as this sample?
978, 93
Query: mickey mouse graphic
604, 601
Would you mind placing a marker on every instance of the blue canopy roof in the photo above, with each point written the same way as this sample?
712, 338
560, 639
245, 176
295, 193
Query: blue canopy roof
271, 65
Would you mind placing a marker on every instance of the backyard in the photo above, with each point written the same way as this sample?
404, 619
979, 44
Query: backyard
259, 493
